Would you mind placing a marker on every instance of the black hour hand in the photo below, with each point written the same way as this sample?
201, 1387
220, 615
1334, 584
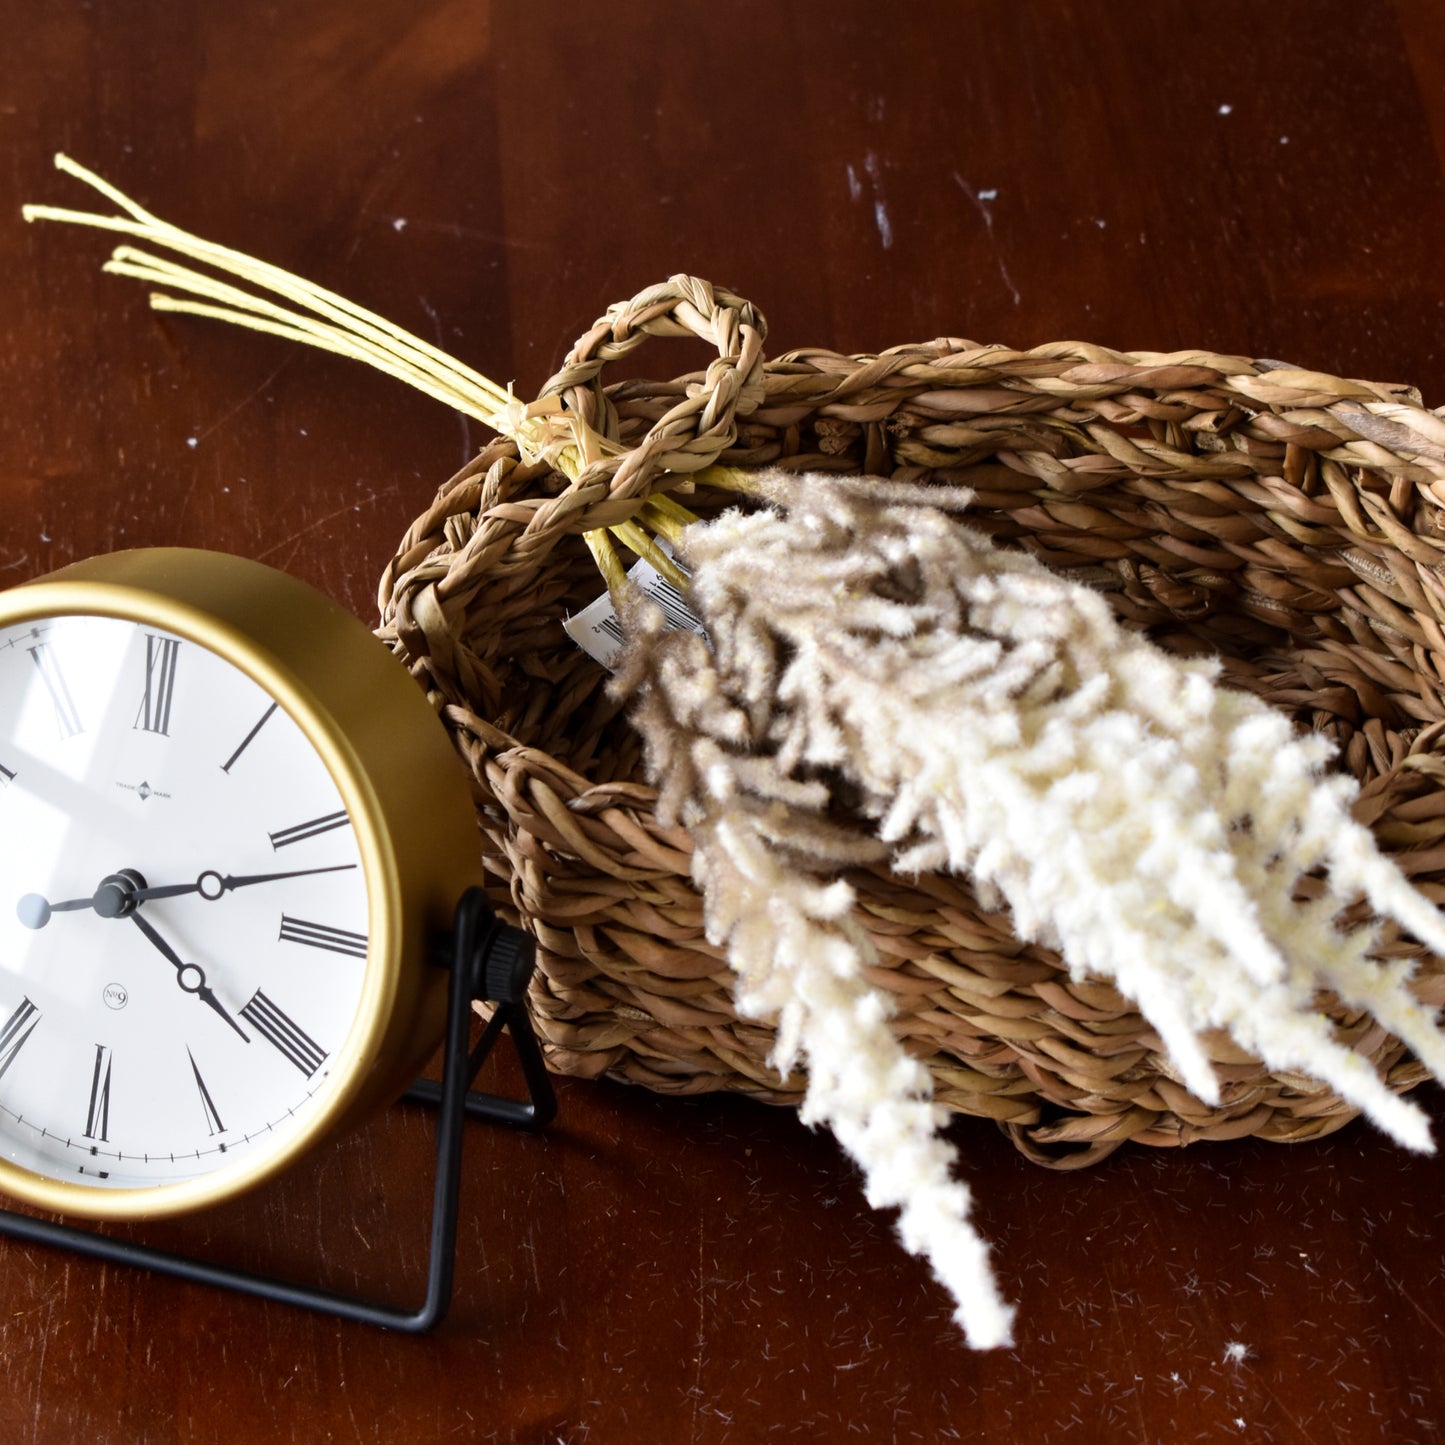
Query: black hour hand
190, 976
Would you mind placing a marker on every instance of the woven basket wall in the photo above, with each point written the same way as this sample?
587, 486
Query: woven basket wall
1287, 521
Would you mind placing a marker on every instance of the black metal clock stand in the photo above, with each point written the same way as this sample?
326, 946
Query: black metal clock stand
489, 961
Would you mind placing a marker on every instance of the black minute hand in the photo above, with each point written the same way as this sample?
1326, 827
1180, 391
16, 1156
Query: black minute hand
211, 885
119, 893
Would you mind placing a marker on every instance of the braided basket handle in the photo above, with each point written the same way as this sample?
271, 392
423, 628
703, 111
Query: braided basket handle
694, 432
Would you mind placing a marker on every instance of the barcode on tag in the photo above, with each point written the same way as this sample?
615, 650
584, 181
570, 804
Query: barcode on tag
597, 631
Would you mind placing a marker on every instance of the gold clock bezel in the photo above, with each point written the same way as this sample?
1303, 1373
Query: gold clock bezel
398, 777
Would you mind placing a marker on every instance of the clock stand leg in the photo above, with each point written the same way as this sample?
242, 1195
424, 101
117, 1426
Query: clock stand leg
489, 962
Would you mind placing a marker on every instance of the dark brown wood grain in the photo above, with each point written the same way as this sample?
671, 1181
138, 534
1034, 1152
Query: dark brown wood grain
1260, 179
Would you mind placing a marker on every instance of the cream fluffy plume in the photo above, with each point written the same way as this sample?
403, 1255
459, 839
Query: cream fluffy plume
883, 683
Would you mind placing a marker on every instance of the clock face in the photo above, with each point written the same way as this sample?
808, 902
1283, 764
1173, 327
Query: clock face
183, 908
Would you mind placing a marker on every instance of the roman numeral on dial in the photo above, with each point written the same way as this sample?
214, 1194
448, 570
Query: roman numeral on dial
213, 1119
321, 935
97, 1119
18, 1028
66, 717
248, 739
300, 831
284, 1033
155, 709
7, 776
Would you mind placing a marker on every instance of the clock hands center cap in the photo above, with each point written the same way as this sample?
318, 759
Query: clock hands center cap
115, 898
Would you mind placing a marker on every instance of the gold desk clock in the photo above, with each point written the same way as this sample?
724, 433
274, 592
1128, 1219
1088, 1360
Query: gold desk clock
232, 834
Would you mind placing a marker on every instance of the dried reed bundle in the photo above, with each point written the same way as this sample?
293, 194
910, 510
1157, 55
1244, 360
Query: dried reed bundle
880, 682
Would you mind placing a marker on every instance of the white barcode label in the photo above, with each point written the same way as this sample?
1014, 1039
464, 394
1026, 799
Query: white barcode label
597, 631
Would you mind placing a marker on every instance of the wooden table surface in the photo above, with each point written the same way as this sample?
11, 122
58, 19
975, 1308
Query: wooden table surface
1251, 178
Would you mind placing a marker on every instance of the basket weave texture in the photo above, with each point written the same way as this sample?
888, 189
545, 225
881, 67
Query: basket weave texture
1287, 521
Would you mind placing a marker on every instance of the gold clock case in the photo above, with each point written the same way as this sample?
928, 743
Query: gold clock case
397, 775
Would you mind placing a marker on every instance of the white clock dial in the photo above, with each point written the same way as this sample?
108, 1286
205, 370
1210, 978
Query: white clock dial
183, 908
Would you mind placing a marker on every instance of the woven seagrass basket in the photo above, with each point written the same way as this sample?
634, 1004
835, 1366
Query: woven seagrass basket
1288, 521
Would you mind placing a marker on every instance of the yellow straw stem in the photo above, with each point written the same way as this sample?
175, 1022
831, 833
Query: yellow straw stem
609, 564
335, 308
157, 271
666, 516
317, 317
727, 479
630, 534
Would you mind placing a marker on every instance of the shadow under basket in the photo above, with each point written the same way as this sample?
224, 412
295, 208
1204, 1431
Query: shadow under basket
1286, 521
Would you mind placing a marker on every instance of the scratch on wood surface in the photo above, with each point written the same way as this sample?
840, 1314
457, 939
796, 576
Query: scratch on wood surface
700, 1339
39, 1387
1287, 1413
102, 1278
1412, 1301
454, 229
1122, 1331
880, 204
468, 449
529, 1246
977, 198
244, 402
343, 1391
292, 539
